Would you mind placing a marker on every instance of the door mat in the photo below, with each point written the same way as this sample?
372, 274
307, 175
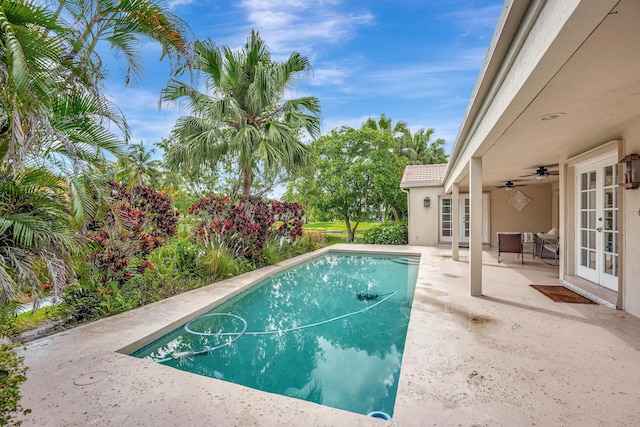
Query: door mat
562, 294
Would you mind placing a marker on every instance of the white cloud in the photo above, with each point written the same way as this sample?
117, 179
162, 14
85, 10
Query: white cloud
293, 25
329, 75
134, 99
140, 107
174, 3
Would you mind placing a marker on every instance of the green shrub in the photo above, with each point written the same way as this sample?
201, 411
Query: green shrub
186, 256
223, 264
179, 257
114, 300
271, 253
81, 305
7, 318
10, 386
307, 243
387, 233
155, 285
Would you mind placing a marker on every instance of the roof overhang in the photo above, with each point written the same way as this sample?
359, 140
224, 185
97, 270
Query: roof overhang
559, 79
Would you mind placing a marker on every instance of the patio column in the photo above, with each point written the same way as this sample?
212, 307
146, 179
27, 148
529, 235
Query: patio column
475, 226
455, 223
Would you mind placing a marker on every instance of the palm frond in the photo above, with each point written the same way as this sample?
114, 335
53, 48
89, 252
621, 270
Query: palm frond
241, 113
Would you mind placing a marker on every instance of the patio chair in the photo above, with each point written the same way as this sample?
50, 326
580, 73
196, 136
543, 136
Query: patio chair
550, 248
510, 243
549, 245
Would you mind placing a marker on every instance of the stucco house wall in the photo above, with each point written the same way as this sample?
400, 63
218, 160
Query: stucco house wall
423, 222
420, 181
535, 217
630, 218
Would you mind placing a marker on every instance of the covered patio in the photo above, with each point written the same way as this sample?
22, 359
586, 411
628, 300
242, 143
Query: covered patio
554, 112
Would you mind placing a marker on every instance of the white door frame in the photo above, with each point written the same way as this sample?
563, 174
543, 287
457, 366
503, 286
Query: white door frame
444, 227
596, 225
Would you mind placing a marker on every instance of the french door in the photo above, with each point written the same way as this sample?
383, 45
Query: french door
446, 219
597, 222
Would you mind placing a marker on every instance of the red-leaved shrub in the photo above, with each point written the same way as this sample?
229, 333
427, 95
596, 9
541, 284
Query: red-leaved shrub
242, 226
138, 221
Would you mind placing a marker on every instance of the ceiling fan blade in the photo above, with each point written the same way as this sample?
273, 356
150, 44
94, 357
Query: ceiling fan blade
543, 171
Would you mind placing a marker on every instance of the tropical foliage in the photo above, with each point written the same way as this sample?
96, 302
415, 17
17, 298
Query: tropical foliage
35, 240
123, 25
243, 226
139, 168
139, 220
417, 147
10, 386
358, 176
387, 233
243, 117
55, 122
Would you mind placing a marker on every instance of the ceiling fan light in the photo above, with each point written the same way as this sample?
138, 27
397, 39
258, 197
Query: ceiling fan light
542, 176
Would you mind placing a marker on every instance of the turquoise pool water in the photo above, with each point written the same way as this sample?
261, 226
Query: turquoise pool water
330, 331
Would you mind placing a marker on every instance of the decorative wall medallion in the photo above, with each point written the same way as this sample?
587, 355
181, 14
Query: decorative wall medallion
520, 200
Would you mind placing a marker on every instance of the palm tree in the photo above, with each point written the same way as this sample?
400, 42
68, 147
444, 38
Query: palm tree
422, 151
400, 131
244, 113
27, 54
123, 24
416, 147
35, 242
138, 168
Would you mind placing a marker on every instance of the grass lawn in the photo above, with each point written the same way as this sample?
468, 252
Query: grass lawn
338, 225
31, 319
332, 238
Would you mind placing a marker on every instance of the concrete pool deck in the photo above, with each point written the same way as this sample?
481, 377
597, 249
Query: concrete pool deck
512, 357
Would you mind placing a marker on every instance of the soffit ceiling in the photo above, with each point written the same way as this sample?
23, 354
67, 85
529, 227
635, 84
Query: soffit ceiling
598, 92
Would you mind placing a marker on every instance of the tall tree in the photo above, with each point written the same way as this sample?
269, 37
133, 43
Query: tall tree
385, 124
244, 112
417, 147
27, 53
358, 173
138, 167
420, 150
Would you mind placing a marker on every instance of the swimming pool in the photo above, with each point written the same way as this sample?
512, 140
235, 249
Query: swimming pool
330, 331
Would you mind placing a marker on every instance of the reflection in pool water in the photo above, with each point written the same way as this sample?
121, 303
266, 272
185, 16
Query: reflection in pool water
309, 335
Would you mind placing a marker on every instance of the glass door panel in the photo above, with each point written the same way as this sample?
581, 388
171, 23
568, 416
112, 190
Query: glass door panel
597, 222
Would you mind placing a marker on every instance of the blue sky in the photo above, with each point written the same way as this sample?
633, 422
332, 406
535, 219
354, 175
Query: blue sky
413, 60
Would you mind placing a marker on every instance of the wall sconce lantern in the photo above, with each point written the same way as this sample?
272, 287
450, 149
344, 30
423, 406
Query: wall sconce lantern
427, 202
631, 179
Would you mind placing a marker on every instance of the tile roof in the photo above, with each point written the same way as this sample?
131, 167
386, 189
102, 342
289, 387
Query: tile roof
423, 175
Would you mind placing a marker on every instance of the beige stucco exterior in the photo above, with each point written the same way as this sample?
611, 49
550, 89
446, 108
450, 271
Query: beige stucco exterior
535, 217
540, 215
423, 221
630, 218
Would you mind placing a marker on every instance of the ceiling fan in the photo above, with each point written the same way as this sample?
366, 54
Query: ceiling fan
509, 185
542, 172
